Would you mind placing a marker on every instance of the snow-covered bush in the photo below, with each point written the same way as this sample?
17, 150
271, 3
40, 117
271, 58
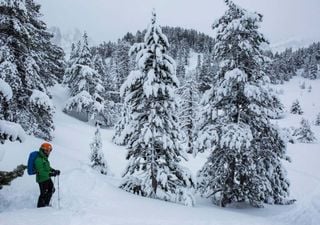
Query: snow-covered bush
304, 134
296, 108
97, 159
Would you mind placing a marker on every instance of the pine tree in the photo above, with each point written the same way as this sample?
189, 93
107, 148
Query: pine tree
123, 129
29, 63
181, 70
206, 73
313, 69
86, 87
296, 108
97, 159
304, 133
245, 163
188, 109
153, 149
122, 65
317, 122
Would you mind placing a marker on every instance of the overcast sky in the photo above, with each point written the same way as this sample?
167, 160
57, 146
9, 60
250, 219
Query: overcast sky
106, 20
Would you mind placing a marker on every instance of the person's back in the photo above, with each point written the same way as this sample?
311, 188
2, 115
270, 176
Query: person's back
43, 174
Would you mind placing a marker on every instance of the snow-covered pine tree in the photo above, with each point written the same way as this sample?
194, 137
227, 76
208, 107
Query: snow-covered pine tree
123, 128
154, 148
296, 108
97, 159
121, 66
188, 109
181, 70
108, 114
313, 68
74, 54
85, 86
245, 164
48, 57
29, 63
99, 65
206, 73
317, 122
304, 134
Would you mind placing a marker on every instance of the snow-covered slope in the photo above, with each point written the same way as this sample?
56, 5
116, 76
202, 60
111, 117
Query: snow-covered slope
88, 197
293, 43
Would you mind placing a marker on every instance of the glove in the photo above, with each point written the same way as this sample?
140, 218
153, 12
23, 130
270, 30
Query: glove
57, 172
54, 173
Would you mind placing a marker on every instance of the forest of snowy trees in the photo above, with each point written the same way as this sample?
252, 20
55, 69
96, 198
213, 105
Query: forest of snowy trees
160, 109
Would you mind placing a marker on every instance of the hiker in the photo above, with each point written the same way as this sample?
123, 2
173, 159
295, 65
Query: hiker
43, 174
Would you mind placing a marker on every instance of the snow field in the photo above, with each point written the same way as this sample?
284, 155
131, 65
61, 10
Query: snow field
88, 197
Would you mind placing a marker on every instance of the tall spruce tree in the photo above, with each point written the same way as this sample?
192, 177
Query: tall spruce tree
29, 63
188, 110
154, 148
245, 163
86, 89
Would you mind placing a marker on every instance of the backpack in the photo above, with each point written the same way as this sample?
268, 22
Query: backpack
31, 168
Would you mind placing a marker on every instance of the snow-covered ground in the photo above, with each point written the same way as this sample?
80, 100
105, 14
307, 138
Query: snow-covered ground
88, 197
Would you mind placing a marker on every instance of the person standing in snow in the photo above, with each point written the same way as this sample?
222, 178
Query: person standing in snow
43, 175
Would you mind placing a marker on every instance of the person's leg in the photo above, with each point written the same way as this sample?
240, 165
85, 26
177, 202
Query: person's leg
41, 199
50, 191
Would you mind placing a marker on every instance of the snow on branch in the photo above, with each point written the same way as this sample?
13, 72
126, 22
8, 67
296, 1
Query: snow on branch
236, 136
41, 99
11, 131
5, 90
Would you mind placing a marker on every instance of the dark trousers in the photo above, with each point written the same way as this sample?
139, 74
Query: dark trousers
46, 191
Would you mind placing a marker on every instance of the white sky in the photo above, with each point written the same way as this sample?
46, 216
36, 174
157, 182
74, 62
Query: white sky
106, 20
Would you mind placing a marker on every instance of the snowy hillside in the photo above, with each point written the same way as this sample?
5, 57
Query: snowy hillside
88, 197
293, 43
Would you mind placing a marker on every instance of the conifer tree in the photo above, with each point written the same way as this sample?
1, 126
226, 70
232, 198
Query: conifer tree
313, 68
296, 108
245, 162
123, 128
86, 89
121, 65
206, 73
188, 109
304, 133
29, 63
153, 150
97, 159
317, 122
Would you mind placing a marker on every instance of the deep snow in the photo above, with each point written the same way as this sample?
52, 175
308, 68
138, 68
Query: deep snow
88, 197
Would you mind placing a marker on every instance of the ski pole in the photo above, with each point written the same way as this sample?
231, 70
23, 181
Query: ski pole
58, 193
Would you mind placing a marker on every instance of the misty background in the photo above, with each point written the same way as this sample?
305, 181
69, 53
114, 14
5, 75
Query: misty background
107, 20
